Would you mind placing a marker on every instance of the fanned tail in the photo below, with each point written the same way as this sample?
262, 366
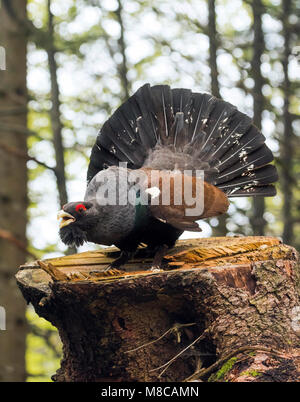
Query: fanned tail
166, 128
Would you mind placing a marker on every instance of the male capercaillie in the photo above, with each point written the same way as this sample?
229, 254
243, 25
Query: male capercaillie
163, 129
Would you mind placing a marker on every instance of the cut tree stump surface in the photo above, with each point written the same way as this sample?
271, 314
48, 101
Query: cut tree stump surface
187, 254
230, 292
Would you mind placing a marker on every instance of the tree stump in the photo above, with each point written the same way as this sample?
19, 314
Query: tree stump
224, 309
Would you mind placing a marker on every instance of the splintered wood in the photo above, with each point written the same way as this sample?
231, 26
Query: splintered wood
187, 254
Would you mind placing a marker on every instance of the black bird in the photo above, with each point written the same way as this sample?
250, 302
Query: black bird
176, 133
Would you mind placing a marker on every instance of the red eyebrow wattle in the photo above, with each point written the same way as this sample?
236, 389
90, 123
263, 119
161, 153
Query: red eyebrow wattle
80, 206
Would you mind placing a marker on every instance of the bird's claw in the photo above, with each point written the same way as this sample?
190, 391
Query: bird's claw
108, 271
112, 270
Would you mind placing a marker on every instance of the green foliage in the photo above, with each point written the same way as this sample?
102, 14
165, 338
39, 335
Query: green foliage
219, 376
251, 373
43, 348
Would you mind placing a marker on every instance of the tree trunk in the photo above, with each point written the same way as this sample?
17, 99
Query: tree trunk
220, 229
223, 308
123, 66
55, 114
257, 220
13, 189
213, 46
287, 151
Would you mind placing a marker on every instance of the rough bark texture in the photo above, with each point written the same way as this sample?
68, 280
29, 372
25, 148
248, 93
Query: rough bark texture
257, 220
231, 304
123, 66
213, 46
287, 145
220, 229
13, 179
55, 113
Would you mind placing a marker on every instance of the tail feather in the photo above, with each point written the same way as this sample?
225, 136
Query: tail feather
144, 102
254, 191
146, 140
245, 164
182, 102
117, 145
202, 105
167, 128
162, 101
182, 99
249, 142
237, 126
216, 127
262, 176
177, 132
102, 159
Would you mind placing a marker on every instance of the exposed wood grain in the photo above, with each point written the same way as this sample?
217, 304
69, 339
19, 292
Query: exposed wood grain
56, 274
187, 254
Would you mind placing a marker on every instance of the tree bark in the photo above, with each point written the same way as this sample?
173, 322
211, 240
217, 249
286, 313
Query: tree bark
287, 151
13, 190
55, 116
213, 46
220, 229
223, 308
123, 66
257, 220
55, 113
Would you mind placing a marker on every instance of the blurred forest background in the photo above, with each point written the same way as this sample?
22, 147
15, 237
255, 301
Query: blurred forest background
70, 63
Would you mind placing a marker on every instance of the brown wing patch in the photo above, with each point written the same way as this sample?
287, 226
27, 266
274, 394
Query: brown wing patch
181, 200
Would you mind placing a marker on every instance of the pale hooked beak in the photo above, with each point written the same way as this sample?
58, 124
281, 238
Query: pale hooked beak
66, 218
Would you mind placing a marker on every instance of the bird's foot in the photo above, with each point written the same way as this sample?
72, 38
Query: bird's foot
107, 273
110, 271
113, 268
118, 262
158, 258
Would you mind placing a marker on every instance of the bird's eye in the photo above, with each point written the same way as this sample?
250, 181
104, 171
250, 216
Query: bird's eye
80, 208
